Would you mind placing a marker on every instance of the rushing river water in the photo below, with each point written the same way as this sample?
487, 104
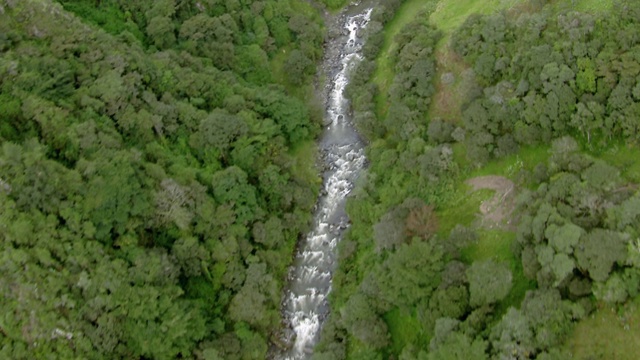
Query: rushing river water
305, 305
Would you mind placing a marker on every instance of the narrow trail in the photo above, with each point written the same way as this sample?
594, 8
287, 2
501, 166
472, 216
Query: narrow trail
305, 305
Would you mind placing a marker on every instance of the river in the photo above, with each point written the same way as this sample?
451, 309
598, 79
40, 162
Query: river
305, 305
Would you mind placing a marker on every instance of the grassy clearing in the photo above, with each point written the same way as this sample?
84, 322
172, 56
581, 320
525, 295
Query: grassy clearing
624, 157
463, 209
450, 14
447, 17
591, 6
492, 244
525, 159
464, 206
608, 334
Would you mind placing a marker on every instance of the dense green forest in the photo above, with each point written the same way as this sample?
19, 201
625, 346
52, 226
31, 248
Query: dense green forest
154, 174
544, 96
157, 169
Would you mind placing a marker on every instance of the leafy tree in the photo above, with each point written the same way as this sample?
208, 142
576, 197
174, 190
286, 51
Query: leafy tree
161, 30
459, 346
599, 250
252, 63
230, 186
299, 67
398, 281
362, 322
488, 282
258, 294
390, 231
513, 335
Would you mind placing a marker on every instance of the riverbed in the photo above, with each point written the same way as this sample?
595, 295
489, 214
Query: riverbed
305, 305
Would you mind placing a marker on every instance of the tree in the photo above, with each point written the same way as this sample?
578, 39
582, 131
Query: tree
253, 64
549, 317
513, 336
162, 32
288, 113
362, 322
115, 201
564, 238
298, 66
231, 186
459, 346
599, 250
270, 233
586, 77
410, 274
390, 231
421, 222
255, 303
217, 132
488, 282
172, 204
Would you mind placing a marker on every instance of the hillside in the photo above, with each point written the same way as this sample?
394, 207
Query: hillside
157, 169
155, 174
536, 94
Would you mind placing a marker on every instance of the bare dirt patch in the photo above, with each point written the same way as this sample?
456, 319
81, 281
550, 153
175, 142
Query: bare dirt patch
495, 212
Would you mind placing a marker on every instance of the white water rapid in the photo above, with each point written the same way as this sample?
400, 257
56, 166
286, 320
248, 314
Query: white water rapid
305, 306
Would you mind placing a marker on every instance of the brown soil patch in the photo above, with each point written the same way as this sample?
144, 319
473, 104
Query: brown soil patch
496, 212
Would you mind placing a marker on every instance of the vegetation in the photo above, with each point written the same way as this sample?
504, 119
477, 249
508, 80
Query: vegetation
544, 97
157, 169
607, 334
154, 177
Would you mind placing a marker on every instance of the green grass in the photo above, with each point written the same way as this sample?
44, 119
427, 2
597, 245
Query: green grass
492, 245
626, 158
463, 209
607, 334
591, 6
450, 14
525, 159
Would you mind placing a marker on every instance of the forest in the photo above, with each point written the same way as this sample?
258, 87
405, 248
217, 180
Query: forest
154, 174
544, 96
158, 166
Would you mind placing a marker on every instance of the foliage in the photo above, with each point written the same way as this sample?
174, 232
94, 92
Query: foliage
537, 92
536, 77
147, 180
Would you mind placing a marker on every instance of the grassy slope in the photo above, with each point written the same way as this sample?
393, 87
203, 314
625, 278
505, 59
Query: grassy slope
451, 13
608, 334
584, 5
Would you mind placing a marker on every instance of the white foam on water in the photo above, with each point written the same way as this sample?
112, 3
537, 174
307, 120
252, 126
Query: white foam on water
310, 278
